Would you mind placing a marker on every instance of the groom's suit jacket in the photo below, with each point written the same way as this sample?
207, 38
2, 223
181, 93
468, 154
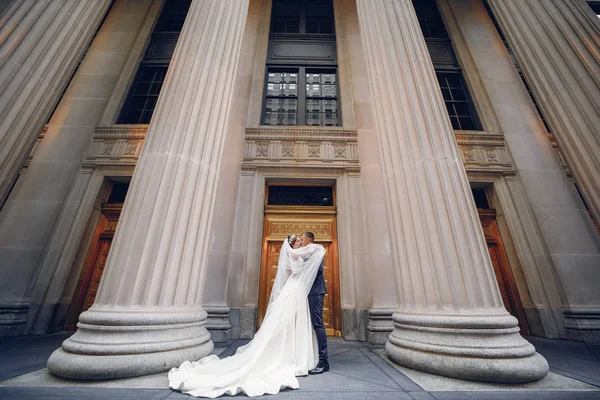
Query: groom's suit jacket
318, 286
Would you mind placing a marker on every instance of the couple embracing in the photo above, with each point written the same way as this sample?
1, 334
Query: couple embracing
285, 346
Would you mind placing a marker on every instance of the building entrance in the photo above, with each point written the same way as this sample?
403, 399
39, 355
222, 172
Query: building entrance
282, 220
502, 269
89, 279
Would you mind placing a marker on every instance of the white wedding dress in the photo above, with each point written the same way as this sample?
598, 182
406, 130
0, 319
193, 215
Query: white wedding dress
284, 347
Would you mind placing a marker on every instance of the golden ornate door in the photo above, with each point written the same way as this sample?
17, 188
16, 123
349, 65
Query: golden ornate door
89, 280
502, 270
281, 221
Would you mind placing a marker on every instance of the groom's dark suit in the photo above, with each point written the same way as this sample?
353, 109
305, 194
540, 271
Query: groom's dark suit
315, 302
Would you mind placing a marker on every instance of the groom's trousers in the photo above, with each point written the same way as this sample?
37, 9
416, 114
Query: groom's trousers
315, 303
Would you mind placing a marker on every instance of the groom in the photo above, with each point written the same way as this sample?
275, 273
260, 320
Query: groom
315, 302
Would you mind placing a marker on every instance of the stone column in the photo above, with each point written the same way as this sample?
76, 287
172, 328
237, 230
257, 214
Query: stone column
557, 45
450, 319
148, 314
41, 42
37, 218
569, 234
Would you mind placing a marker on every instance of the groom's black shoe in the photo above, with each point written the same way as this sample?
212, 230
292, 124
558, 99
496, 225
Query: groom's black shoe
322, 366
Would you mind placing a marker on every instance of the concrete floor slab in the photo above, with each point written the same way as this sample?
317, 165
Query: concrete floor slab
358, 372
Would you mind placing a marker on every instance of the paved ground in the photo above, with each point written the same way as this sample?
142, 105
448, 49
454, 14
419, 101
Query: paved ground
358, 371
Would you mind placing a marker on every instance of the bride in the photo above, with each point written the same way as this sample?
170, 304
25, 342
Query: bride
284, 347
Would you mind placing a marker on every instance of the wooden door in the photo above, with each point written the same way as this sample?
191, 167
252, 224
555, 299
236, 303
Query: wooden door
502, 270
283, 221
89, 280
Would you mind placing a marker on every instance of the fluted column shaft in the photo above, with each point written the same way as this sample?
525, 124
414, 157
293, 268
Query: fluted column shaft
570, 236
557, 45
148, 313
450, 318
41, 42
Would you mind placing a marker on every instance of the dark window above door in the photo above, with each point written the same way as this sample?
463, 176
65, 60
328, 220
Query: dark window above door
301, 82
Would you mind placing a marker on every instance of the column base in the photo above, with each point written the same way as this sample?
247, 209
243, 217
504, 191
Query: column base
111, 343
13, 318
477, 348
218, 324
380, 326
583, 324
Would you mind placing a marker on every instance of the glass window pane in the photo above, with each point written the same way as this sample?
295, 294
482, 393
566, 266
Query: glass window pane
313, 105
289, 89
274, 77
450, 109
278, 25
290, 77
446, 94
271, 118
330, 119
326, 27
155, 88
289, 105
329, 90
151, 102
288, 118
137, 102
466, 123
453, 80
273, 89
146, 117
293, 25
455, 123
459, 94
142, 88
328, 78
462, 109
134, 116
442, 80
313, 78
272, 104
313, 118
329, 105
312, 25
320, 93
313, 90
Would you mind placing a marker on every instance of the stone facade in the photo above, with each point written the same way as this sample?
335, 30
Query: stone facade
412, 258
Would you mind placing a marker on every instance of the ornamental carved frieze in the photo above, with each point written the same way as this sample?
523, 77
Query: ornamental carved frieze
483, 151
284, 228
314, 150
301, 146
116, 146
330, 147
287, 150
339, 151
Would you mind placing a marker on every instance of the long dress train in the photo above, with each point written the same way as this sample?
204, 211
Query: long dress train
284, 347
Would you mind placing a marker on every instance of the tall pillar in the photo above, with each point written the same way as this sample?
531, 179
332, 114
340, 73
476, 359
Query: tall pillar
39, 214
569, 234
450, 318
148, 314
41, 42
557, 45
